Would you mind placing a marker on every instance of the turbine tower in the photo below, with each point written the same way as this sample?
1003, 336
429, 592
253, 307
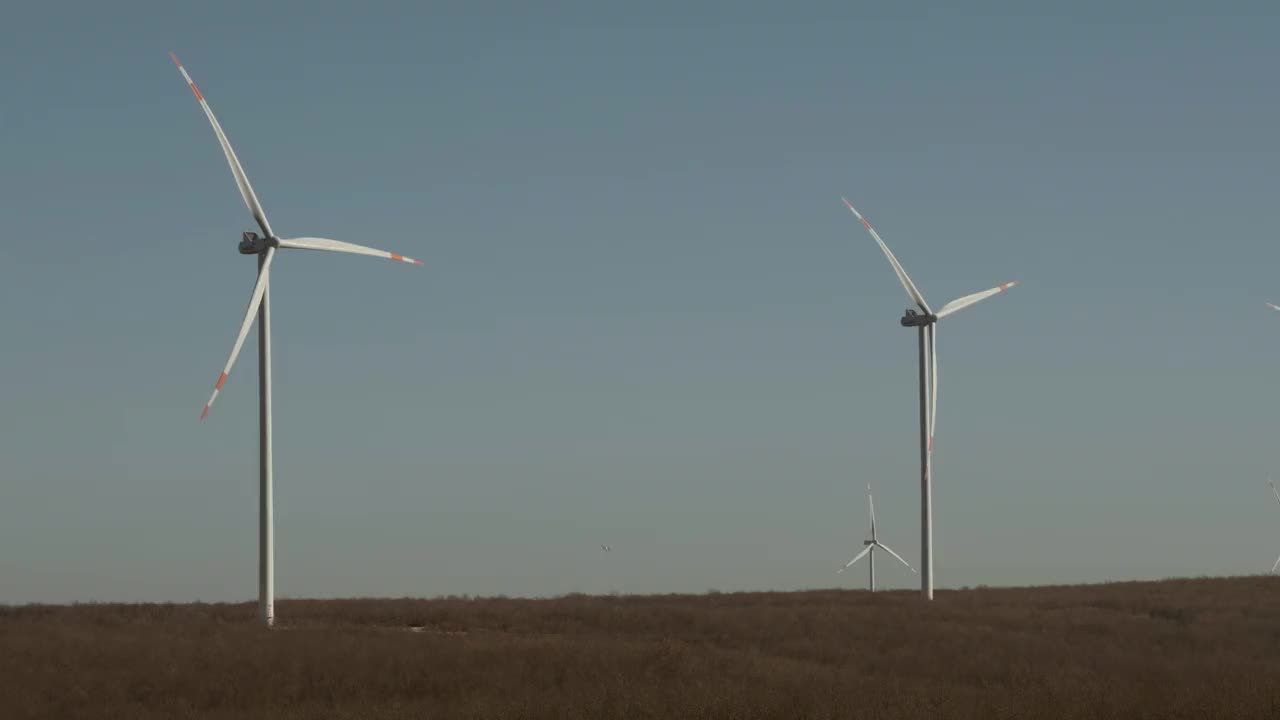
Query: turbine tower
265, 249
871, 545
925, 323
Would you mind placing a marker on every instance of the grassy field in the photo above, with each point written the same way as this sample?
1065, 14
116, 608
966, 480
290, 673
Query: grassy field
1205, 648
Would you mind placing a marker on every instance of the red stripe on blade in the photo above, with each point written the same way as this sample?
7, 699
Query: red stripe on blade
205, 414
196, 90
221, 379
397, 257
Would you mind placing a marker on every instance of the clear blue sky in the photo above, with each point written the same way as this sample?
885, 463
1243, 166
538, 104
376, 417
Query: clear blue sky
645, 318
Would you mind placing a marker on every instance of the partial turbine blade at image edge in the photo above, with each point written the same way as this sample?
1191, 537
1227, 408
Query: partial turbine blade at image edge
967, 300
242, 180
251, 312
310, 243
912, 291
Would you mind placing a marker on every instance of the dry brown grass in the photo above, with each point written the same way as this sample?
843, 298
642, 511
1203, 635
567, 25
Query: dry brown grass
1176, 649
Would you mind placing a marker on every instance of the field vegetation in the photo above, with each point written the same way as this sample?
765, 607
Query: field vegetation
1203, 648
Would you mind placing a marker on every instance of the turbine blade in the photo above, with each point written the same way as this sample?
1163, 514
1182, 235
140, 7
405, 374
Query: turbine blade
1273, 307
310, 243
912, 291
967, 300
931, 339
1273, 567
872, 504
855, 559
1274, 490
242, 181
250, 313
889, 550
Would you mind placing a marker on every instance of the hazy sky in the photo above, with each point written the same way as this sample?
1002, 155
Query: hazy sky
645, 318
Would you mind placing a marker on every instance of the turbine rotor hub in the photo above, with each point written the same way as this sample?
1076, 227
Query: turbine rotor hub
252, 244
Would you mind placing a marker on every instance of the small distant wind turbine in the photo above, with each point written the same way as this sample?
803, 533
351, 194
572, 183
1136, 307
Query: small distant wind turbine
1277, 494
606, 548
928, 334
265, 248
872, 544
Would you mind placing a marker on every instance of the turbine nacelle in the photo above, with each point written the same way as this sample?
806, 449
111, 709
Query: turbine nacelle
252, 244
915, 319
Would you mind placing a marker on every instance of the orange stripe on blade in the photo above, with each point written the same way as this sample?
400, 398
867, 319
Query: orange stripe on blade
205, 414
397, 257
221, 379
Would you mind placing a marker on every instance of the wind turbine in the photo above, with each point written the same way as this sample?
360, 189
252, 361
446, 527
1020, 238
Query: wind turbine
872, 544
265, 248
925, 322
1277, 494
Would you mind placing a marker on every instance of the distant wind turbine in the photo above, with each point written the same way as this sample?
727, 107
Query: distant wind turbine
1277, 494
872, 544
265, 248
925, 323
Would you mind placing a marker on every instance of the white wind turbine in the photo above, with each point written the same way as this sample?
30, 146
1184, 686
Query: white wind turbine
1277, 494
872, 544
925, 322
265, 248
1269, 480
